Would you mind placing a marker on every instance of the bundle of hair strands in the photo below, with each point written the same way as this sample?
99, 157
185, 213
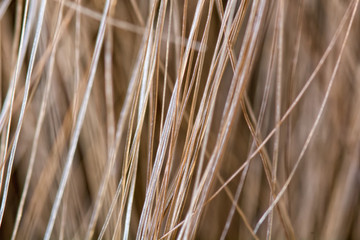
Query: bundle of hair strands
169, 119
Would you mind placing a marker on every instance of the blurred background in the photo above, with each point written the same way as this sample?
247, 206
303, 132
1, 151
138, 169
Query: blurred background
179, 119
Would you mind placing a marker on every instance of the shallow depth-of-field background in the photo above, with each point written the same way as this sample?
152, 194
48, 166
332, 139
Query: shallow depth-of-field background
179, 119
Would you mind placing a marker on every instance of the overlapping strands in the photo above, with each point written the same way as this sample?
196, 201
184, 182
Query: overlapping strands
167, 119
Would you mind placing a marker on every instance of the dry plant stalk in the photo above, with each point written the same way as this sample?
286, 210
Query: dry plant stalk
164, 119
